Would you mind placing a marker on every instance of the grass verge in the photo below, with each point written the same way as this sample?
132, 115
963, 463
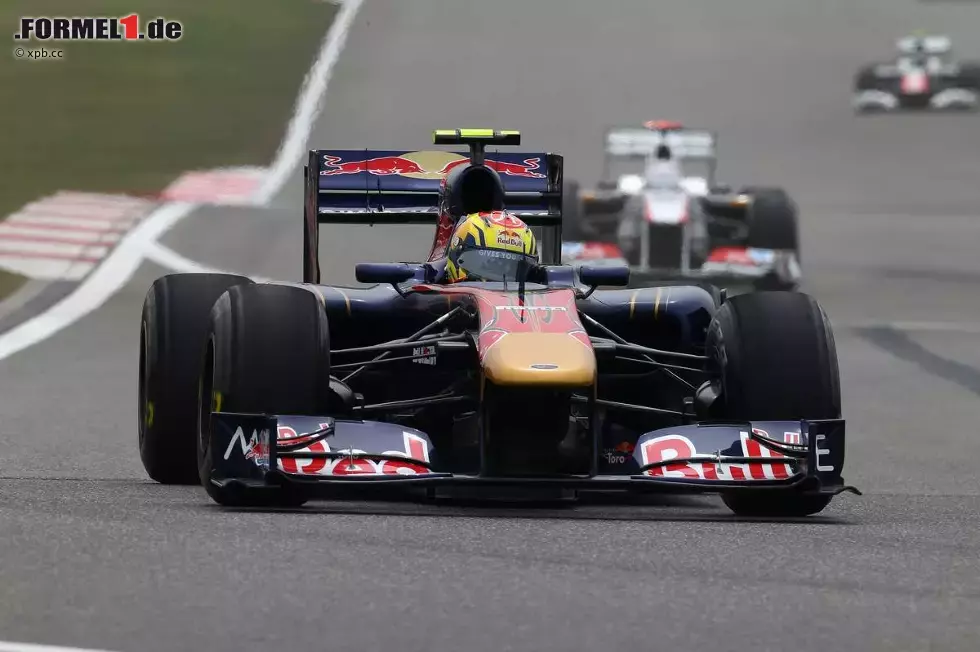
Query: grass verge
10, 283
131, 116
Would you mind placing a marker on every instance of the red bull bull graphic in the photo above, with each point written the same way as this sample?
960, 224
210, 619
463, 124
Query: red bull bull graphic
526, 169
424, 165
351, 180
255, 448
379, 166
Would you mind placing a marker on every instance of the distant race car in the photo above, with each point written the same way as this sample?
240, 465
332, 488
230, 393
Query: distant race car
924, 76
660, 209
523, 379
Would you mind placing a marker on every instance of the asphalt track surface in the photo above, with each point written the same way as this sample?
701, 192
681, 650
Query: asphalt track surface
96, 555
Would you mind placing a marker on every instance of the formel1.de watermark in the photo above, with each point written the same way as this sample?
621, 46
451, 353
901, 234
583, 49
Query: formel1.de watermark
97, 28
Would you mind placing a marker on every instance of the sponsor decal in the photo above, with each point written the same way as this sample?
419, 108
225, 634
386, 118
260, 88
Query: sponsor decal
613, 457
358, 462
256, 448
714, 466
505, 220
821, 453
761, 256
423, 165
424, 355
523, 308
618, 454
509, 239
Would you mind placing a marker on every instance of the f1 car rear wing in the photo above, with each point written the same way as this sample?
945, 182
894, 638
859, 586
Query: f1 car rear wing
638, 143
635, 142
364, 186
928, 44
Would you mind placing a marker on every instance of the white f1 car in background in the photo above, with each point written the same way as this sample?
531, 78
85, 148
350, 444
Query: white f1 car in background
658, 208
924, 76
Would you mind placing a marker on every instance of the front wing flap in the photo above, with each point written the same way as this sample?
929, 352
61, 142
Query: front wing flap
320, 454
808, 455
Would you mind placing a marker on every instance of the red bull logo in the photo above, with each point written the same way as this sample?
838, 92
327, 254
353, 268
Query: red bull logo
424, 165
509, 239
259, 451
525, 169
623, 447
380, 166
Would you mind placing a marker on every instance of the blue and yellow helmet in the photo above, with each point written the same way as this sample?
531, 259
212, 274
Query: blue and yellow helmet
490, 247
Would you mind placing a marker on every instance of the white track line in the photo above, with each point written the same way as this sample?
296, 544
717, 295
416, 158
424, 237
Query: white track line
116, 270
308, 104
167, 257
33, 647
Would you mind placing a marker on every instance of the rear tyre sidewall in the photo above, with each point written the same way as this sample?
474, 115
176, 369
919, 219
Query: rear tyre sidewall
775, 356
173, 329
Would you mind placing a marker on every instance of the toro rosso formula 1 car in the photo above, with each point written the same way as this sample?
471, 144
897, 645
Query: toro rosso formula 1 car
272, 394
671, 221
924, 76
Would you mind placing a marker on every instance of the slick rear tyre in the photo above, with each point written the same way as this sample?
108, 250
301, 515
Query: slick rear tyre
773, 220
775, 355
970, 75
572, 229
268, 351
865, 79
173, 329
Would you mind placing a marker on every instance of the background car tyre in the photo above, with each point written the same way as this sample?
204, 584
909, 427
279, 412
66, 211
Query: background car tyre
173, 328
572, 229
865, 79
268, 351
775, 355
773, 220
970, 74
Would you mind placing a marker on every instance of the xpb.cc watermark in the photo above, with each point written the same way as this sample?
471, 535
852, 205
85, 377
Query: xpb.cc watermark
97, 28
38, 54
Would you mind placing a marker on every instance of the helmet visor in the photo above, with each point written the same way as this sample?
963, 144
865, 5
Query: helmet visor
482, 264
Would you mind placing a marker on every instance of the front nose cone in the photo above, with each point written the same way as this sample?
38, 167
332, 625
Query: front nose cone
540, 359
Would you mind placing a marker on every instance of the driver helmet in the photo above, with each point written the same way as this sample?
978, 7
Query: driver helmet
663, 152
490, 246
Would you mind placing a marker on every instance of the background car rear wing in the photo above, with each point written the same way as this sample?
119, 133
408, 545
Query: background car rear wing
363, 186
932, 44
637, 142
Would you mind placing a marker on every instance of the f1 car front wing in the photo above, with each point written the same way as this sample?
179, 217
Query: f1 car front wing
326, 457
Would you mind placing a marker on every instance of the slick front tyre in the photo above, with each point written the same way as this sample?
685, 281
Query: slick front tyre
173, 330
268, 352
775, 356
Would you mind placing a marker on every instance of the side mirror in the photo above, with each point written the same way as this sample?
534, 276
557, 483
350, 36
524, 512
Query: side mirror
393, 273
595, 276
